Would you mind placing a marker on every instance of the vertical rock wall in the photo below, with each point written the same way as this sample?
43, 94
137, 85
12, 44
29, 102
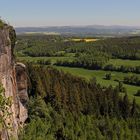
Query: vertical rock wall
14, 80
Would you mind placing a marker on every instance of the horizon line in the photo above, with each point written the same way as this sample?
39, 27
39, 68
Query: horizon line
43, 26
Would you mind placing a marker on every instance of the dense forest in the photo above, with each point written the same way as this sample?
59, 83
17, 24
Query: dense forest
65, 107
41, 45
90, 55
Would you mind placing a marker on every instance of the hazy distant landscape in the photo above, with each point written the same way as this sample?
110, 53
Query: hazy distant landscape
95, 30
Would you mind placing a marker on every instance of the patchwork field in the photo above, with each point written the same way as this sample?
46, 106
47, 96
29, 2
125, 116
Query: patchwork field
85, 39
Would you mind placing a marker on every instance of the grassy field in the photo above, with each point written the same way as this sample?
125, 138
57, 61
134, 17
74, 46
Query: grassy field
119, 62
88, 74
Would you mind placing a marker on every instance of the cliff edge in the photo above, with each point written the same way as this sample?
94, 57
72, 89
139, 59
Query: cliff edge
13, 78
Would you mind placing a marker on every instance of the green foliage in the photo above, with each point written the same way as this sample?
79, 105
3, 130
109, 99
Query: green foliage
138, 93
49, 83
132, 80
12, 35
73, 93
1, 24
121, 88
94, 61
46, 45
47, 123
41, 45
5, 104
108, 76
41, 121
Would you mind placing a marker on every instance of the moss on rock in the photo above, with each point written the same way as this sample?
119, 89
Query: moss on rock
1, 24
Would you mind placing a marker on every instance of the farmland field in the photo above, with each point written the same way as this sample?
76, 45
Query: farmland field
85, 39
119, 62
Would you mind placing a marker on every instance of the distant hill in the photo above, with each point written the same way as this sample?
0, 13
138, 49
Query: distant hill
97, 30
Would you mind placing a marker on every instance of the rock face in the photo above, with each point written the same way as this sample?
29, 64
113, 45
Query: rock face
13, 77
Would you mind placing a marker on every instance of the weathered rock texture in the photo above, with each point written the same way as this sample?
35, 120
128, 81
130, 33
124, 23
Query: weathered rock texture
14, 80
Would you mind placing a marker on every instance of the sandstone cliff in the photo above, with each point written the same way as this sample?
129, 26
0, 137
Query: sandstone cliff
14, 80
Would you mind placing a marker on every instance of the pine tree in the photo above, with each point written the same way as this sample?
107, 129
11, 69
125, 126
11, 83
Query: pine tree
125, 107
133, 109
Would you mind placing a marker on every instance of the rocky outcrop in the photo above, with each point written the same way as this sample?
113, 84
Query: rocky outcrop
14, 80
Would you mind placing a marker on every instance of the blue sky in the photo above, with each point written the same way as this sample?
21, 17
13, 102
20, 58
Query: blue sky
70, 12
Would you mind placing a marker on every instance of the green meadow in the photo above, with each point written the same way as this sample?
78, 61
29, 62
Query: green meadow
119, 62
